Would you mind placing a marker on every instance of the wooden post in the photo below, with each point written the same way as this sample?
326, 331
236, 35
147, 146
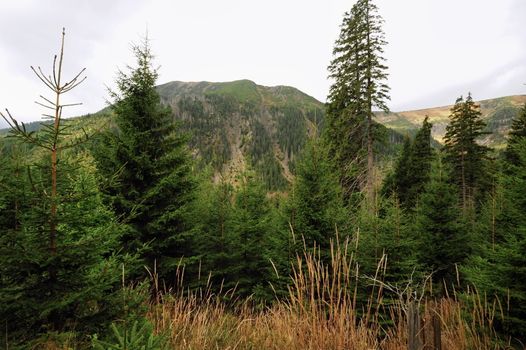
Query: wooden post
437, 333
413, 327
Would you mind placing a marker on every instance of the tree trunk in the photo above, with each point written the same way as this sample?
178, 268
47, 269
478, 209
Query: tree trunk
370, 154
463, 180
370, 164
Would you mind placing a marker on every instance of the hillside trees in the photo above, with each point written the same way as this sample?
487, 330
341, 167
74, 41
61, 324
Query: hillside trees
359, 74
412, 169
517, 133
154, 188
440, 230
463, 153
252, 242
215, 209
317, 208
56, 264
498, 268
12, 186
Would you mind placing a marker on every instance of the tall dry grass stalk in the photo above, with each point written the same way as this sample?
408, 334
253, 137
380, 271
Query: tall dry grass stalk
320, 312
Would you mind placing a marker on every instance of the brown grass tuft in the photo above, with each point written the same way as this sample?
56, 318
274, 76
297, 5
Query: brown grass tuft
321, 313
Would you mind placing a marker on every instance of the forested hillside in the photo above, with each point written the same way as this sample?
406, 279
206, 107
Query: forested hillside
236, 126
237, 216
234, 123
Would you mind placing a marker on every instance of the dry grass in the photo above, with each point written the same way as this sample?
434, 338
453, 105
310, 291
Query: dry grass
320, 313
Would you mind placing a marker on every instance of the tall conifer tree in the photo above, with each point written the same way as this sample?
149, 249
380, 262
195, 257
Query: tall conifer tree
421, 160
440, 230
398, 181
317, 202
155, 187
215, 240
463, 153
58, 272
359, 74
517, 133
412, 168
251, 242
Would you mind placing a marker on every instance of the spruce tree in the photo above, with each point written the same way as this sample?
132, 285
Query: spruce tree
214, 242
317, 205
517, 133
422, 156
58, 272
499, 267
465, 156
441, 233
13, 189
398, 181
251, 247
150, 159
412, 168
359, 74
387, 234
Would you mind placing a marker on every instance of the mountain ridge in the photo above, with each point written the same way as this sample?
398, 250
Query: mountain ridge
496, 112
239, 125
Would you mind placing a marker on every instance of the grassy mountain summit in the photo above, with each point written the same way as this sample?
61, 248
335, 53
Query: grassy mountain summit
237, 125
497, 113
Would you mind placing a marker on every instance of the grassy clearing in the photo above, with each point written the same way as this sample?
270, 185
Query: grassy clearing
321, 313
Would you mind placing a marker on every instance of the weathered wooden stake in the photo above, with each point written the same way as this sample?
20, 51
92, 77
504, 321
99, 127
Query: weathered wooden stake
437, 333
413, 326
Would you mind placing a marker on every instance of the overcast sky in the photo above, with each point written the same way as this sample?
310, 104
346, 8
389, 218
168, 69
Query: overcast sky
438, 49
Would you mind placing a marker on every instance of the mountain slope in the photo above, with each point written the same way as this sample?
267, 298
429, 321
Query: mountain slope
240, 124
497, 113
234, 126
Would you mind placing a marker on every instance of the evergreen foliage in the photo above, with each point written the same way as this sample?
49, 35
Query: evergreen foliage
399, 180
359, 72
206, 128
499, 267
412, 169
73, 219
421, 159
139, 336
463, 153
316, 208
386, 234
77, 286
517, 133
215, 239
13, 189
263, 159
270, 126
150, 160
440, 230
58, 269
251, 251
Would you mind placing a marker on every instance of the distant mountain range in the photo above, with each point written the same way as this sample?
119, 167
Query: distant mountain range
497, 113
238, 125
